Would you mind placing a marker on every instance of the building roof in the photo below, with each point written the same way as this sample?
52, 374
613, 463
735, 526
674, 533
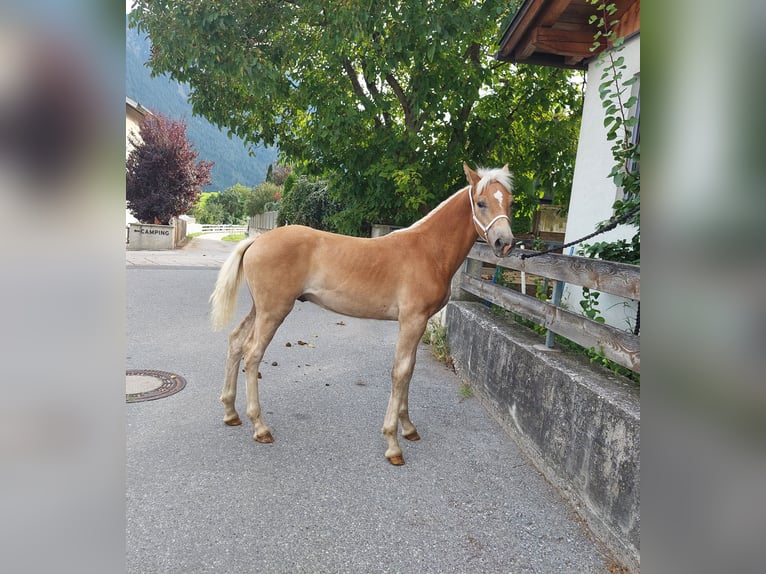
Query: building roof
557, 33
137, 107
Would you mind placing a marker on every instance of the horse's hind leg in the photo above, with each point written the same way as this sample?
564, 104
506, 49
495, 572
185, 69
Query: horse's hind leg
266, 324
408, 429
237, 341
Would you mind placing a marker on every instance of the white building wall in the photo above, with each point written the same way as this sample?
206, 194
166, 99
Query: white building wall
593, 192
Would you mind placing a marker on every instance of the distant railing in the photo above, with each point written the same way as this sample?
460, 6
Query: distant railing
616, 278
232, 229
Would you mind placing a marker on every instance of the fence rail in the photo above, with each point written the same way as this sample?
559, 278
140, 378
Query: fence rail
223, 228
615, 278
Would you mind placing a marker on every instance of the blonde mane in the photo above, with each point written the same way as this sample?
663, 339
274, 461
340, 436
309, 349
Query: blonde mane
499, 175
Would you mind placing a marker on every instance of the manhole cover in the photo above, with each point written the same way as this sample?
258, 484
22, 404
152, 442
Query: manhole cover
148, 385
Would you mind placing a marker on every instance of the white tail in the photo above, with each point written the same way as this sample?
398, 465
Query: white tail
224, 297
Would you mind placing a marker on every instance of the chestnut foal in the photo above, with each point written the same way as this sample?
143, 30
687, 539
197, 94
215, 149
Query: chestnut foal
404, 276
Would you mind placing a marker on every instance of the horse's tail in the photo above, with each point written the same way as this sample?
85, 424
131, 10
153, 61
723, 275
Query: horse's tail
224, 297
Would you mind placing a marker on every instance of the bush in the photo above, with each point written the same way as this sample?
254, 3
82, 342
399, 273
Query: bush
262, 197
308, 203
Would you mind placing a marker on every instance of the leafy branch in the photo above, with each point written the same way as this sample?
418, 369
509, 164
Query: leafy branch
626, 151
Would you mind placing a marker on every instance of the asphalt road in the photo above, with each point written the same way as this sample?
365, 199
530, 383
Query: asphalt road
204, 497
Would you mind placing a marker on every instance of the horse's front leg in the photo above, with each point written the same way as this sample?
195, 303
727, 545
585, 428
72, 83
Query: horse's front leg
410, 332
408, 429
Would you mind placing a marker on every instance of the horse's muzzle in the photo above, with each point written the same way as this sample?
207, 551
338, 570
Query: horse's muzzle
502, 248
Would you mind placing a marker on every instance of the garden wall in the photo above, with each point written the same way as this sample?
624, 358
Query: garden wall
578, 424
149, 237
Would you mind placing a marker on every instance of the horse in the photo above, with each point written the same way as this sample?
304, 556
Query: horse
404, 276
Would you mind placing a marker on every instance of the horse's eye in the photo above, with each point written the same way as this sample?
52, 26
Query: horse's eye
481, 203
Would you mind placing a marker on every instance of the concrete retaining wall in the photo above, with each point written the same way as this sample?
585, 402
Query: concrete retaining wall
149, 237
142, 236
577, 423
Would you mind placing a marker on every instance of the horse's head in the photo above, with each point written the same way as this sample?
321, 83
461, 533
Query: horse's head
491, 198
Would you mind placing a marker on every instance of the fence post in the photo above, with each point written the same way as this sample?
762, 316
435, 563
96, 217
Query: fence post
471, 267
558, 290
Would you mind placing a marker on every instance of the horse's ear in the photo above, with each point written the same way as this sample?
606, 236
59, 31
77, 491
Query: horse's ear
505, 168
473, 177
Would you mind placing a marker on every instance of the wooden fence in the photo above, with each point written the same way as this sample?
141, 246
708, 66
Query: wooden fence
232, 229
616, 278
263, 221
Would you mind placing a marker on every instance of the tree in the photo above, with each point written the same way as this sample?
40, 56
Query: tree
385, 99
307, 202
278, 174
230, 205
261, 196
208, 214
163, 177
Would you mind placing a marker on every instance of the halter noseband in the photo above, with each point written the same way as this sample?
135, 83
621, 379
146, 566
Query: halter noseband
478, 223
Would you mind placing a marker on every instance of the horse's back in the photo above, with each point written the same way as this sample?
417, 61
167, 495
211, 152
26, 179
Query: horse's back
350, 275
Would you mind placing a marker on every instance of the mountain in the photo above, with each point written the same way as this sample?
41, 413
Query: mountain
233, 163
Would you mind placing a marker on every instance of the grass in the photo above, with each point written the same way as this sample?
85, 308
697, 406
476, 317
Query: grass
234, 237
436, 336
193, 235
593, 355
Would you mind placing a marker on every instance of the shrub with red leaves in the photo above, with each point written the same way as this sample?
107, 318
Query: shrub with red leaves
164, 178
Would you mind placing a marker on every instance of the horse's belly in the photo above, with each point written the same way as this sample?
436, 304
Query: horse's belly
364, 307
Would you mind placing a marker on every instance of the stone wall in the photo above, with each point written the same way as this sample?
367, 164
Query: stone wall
579, 425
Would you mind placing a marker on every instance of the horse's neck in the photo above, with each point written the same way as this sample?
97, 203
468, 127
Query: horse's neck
448, 231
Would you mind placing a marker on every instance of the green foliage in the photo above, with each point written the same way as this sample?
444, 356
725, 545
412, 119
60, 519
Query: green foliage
436, 336
384, 100
308, 203
593, 355
261, 196
626, 171
233, 201
596, 356
226, 207
620, 251
589, 304
234, 161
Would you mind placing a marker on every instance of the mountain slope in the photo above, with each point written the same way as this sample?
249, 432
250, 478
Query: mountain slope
233, 164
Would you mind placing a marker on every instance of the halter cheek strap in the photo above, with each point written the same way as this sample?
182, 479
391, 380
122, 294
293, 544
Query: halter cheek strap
478, 223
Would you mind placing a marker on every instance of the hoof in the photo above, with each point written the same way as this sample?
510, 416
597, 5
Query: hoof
235, 422
264, 438
397, 460
412, 436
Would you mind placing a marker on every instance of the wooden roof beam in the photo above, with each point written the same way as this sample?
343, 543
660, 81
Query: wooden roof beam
512, 35
567, 43
630, 20
554, 10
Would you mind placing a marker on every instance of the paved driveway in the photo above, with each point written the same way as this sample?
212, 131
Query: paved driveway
203, 497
